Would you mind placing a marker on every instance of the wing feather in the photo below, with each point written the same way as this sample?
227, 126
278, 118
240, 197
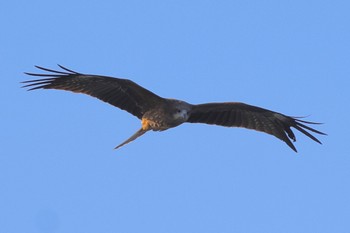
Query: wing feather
234, 114
121, 93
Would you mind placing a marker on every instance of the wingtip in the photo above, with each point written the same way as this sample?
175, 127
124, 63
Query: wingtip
293, 148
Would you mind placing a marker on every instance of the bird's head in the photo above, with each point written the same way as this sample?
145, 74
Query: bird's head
180, 114
179, 110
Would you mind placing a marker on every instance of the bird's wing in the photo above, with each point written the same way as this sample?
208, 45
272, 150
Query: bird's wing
121, 93
242, 115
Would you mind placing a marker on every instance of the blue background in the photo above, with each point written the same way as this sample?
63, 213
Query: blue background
58, 169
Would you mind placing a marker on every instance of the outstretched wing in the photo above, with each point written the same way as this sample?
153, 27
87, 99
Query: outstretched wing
243, 115
121, 93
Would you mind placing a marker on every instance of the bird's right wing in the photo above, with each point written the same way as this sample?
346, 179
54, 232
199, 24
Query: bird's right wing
233, 114
121, 93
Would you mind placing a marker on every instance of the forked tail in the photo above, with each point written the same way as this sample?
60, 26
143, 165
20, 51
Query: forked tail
139, 133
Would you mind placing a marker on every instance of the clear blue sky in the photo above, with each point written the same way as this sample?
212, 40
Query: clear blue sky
58, 169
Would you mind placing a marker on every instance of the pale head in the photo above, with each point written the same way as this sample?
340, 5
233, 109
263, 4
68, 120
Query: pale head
179, 110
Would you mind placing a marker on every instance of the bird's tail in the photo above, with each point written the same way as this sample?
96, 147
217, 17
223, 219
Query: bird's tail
139, 133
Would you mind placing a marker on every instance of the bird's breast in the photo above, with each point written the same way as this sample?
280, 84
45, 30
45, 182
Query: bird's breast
148, 124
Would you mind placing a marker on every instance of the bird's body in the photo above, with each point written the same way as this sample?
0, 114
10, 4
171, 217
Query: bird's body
168, 114
158, 114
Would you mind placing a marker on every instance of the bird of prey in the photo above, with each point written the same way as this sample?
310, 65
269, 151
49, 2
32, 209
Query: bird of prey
158, 114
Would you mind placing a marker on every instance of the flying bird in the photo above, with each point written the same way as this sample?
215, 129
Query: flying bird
159, 114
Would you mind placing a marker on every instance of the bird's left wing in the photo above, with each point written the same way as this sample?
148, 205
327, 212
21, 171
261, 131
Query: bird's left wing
122, 93
233, 114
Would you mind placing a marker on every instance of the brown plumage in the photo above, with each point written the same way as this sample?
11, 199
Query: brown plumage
158, 114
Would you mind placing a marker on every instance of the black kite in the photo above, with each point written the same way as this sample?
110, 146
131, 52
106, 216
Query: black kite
158, 114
